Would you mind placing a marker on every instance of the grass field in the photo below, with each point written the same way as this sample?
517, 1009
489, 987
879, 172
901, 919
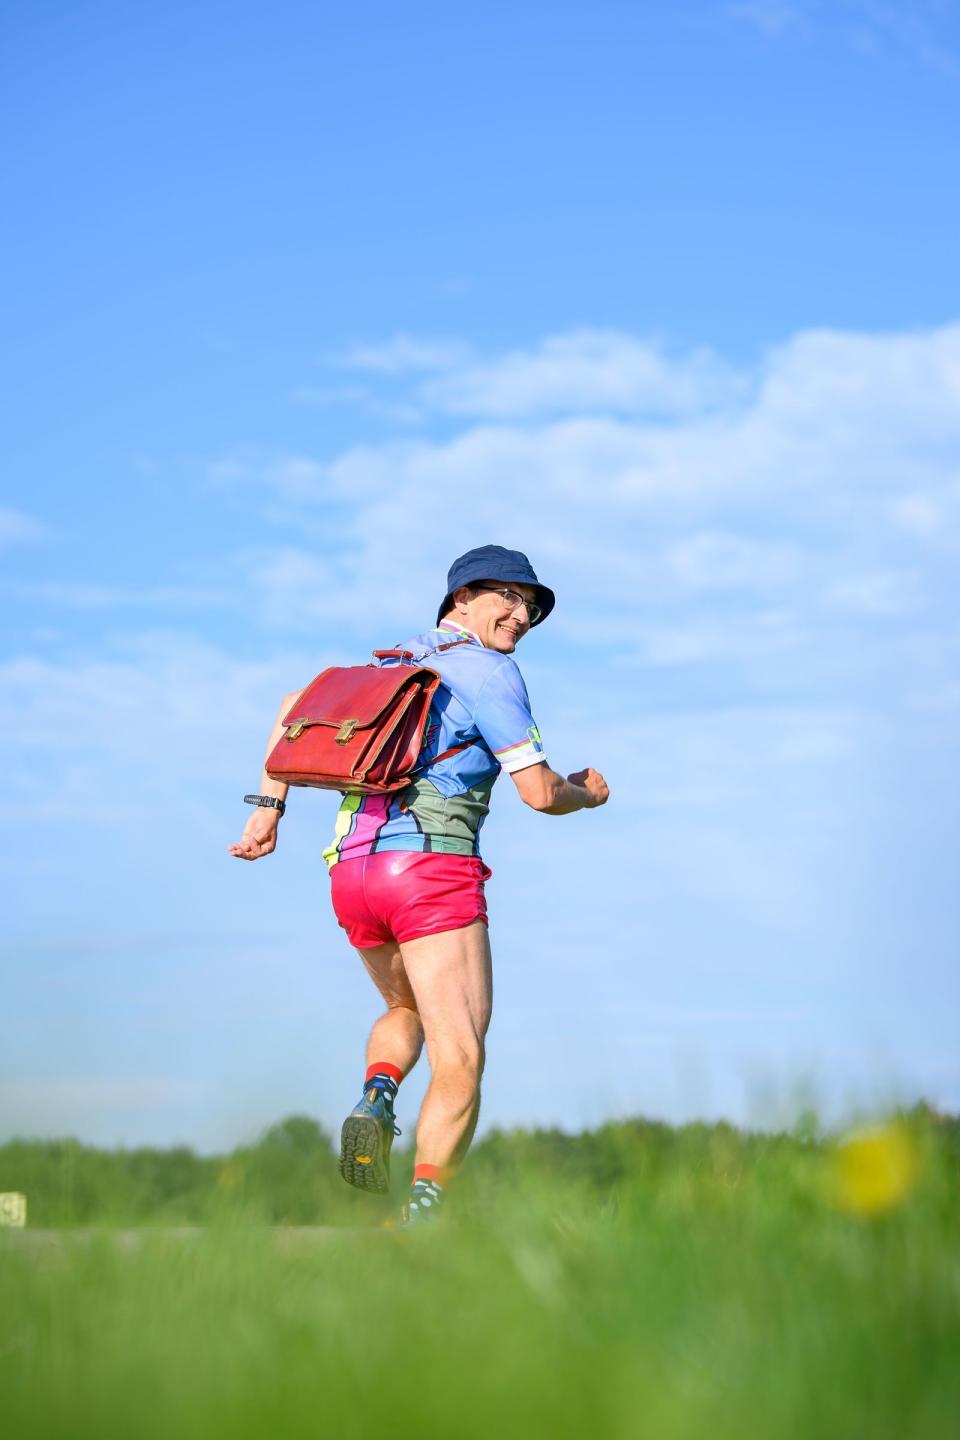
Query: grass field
657, 1284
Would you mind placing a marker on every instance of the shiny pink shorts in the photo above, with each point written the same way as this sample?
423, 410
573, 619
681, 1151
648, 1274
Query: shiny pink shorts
403, 894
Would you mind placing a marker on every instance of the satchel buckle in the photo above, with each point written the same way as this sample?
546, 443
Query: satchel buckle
296, 730
345, 732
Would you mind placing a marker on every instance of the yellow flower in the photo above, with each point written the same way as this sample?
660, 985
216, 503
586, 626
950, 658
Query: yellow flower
875, 1169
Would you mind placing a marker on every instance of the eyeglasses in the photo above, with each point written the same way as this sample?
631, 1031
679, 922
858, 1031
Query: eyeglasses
513, 600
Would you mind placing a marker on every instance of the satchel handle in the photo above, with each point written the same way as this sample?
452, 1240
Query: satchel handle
402, 655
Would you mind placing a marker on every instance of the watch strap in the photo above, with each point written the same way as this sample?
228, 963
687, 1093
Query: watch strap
270, 801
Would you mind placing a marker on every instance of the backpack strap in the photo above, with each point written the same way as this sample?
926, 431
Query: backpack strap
405, 656
454, 750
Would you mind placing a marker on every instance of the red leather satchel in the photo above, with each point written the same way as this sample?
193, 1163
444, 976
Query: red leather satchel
359, 728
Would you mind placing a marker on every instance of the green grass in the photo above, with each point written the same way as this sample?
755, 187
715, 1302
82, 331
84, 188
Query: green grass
638, 1282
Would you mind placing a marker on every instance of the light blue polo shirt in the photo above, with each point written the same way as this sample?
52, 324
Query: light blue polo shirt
481, 698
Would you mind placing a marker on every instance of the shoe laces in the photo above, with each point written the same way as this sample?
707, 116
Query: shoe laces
387, 1105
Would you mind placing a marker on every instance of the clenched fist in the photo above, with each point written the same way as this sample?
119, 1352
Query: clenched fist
594, 784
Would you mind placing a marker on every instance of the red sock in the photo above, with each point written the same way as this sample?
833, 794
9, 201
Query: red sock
439, 1174
383, 1067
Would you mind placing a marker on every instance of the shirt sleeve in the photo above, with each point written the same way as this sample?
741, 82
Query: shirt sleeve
502, 715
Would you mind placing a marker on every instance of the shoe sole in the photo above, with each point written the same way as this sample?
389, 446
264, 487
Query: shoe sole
363, 1162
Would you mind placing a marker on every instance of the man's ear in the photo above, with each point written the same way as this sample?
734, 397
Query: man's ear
463, 594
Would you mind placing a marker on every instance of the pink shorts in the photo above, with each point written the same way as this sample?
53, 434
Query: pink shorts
403, 894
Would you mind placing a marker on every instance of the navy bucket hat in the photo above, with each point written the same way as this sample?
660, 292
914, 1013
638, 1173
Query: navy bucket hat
493, 562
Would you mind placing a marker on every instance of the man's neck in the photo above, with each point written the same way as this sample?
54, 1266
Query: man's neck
455, 628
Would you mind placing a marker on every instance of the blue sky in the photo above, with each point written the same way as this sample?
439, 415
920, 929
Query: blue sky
301, 304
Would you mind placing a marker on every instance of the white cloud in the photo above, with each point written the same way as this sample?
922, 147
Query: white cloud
750, 636
103, 738
896, 382
294, 478
916, 30
86, 595
825, 484
772, 17
723, 543
339, 397
825, 412
932, 513
18, 528
402, 354
333, 395
587, 371
711, 560
296, 589
882, 593
722, 760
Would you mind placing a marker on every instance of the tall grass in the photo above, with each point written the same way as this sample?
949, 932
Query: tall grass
637, 1282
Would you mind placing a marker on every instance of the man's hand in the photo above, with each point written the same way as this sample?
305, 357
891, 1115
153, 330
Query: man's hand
594, 784
543, 789
259, 836
260, 832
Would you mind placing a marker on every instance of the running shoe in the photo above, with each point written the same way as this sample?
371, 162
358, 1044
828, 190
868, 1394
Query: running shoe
365, 1143
424, 1205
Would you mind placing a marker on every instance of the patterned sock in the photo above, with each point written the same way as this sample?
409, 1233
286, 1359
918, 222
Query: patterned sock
427, 1192
385, 1078
426, 1198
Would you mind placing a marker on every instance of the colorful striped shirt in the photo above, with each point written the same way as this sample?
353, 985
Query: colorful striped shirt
481, 698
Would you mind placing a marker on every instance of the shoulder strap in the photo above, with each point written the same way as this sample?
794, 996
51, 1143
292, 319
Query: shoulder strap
408, 657
454, 750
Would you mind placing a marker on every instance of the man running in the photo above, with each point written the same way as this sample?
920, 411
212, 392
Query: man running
407, 878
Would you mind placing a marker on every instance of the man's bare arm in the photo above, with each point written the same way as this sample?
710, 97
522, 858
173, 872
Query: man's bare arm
543, 789
260, 832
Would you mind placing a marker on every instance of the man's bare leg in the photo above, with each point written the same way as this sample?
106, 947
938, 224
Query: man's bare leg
394, 1046
397, 1036
451, 979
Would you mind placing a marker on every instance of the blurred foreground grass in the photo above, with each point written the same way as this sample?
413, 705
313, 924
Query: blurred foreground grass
638, 1281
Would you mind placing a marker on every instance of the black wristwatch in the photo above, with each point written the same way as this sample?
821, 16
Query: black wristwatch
270, 801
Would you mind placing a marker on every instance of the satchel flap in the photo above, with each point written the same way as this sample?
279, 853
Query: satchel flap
356, 692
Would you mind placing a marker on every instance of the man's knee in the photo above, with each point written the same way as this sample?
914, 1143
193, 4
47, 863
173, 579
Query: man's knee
460, 1063
400, 1003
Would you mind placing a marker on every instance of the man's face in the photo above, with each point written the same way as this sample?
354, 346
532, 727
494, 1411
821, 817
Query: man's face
482, 608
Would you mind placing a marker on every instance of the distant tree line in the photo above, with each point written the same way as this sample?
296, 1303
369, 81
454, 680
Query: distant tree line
289, 1176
